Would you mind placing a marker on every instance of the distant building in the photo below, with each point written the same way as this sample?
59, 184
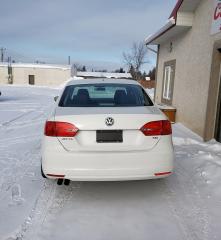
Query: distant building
34, 74
188, 65
47, 74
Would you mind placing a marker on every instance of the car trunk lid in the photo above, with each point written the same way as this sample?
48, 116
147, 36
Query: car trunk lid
91, 123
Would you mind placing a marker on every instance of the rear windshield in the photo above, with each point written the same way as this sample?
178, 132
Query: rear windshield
104, 95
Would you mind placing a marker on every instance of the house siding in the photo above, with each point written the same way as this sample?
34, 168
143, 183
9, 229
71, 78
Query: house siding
193, 51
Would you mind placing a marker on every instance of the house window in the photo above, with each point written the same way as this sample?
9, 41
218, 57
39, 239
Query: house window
31, 79
168, 82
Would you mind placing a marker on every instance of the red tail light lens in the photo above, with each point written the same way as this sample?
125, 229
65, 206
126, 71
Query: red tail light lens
162, 173
60, 129
156, 128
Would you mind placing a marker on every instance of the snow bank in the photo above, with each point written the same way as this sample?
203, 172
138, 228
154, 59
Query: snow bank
204, 157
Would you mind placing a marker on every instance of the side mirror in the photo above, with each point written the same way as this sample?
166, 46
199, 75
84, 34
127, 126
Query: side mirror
55, 98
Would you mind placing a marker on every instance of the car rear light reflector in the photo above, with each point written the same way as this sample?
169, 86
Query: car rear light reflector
155, 128
55, 175
162, 173
60, 129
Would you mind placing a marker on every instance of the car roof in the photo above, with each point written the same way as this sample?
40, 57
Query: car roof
100, 80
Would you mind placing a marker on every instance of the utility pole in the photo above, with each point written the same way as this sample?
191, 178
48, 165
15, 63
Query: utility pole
10, 76
2, 53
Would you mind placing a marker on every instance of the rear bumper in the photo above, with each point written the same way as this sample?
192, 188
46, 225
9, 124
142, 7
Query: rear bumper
108, 166
94, 175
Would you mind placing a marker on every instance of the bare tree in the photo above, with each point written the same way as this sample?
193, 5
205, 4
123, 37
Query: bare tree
135, 59
77, 66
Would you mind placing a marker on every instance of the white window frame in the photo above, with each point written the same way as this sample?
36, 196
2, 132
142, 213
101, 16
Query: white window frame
168, 75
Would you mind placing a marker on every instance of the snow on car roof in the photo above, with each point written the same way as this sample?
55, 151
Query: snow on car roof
98, 80
104, 75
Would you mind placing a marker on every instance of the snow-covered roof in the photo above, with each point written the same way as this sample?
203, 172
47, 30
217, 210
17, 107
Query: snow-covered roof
104, 75
180, 20
169, 24
36, 65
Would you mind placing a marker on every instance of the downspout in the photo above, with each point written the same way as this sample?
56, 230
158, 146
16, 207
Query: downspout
156, 52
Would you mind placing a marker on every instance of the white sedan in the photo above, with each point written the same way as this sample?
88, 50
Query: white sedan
106, 130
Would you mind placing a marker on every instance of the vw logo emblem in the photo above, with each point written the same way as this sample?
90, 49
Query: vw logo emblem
109, 121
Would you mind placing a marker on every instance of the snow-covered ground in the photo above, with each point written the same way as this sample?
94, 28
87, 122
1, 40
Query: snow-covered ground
185, 206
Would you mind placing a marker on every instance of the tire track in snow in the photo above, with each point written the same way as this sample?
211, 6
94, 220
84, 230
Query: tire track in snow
23, 124
16, 118
6, 183
50, 201
19, 235
60, 196
14, 140
42, 112
19, 164
26, 159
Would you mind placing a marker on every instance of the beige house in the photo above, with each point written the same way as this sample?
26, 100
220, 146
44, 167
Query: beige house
47, 75
34, 74
188, 65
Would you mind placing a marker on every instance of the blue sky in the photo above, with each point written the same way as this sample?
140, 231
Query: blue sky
92, 32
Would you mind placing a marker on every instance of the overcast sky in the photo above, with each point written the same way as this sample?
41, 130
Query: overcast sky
92, 32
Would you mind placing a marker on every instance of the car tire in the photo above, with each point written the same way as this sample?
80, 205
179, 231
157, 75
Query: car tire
42, 173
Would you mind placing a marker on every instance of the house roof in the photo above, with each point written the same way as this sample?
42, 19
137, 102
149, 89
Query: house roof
180, 20
176, 8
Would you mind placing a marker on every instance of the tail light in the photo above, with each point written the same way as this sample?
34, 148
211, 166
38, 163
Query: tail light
156, 128
60, 129
162, 173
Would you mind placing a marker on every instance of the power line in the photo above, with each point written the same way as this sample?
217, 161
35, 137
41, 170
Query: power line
18, 56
